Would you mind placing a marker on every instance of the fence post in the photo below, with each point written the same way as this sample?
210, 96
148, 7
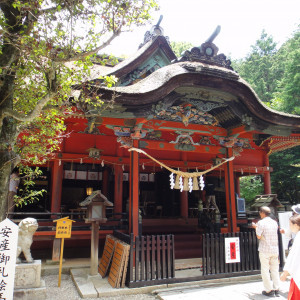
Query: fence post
203, 254
173, 256
142, 257
281, 251
131, 257
137, 258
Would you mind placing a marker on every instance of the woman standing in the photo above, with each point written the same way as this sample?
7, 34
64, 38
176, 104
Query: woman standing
292, 265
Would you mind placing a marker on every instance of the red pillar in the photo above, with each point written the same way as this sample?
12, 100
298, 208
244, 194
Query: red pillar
56, 185
105, 182
230, 194
134, 191
237, 185
267, 176
184, 202
184, 207
118, 197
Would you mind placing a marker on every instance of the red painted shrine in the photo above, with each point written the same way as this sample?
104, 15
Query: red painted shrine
188, 113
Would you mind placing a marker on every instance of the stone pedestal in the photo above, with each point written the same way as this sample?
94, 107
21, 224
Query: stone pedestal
28, 283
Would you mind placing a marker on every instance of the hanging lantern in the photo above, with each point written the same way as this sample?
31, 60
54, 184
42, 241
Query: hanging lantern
195, 184
177, 186
89, 191
186, 184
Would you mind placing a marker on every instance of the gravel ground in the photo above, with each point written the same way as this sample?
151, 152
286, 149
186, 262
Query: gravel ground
67, 290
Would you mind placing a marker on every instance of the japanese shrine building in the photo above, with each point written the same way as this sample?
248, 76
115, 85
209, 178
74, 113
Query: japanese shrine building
188, 113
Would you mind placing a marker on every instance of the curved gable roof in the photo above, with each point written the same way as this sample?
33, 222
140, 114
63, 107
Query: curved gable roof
143, 54
184, 80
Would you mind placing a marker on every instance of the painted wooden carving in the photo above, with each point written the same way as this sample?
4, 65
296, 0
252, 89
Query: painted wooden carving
184, 141
186, 113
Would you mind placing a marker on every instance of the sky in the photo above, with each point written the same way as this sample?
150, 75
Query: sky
241, 21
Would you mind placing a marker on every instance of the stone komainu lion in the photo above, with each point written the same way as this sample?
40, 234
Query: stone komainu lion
27, 228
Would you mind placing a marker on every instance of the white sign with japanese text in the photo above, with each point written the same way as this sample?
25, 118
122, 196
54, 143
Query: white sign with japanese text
232, 250
8, 251
284, 223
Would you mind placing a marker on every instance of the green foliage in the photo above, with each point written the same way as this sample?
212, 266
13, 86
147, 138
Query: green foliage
260, 69
287, 97
250, 187
27, 194
180, 47
275, 76
46, 48
49, 46
286, 177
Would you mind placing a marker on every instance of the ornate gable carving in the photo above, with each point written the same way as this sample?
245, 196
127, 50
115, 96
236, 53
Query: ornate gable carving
207, 53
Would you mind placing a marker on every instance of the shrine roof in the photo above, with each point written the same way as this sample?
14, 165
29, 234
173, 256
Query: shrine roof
186, 81
134, 61
200, 88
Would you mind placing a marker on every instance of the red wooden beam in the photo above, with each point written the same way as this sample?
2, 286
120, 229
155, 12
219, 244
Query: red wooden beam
134, 191
164, 146
230, 194
56, 185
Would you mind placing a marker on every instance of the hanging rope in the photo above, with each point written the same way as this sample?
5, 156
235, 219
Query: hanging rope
180, 173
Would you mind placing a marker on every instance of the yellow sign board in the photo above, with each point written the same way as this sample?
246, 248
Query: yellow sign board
63, 228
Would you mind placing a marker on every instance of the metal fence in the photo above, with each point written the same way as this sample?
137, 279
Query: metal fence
151, 261
214, 254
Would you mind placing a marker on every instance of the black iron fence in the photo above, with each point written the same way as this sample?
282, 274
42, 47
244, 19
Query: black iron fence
151, 261
214, 261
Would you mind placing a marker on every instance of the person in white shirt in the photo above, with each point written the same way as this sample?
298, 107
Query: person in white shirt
267, 233
289, 234
292, 265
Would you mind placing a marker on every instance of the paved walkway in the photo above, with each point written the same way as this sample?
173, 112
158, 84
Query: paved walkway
241, 291
240, 288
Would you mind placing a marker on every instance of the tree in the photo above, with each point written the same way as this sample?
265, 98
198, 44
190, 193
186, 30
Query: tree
286, 176
274, 75
259, 68
287, 97
180, 47
250, 187
46, 47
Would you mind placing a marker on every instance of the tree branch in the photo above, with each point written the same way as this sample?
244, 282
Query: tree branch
7, 112
80, 56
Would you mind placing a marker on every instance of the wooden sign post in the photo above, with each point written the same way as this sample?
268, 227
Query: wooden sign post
8, 251
63, 230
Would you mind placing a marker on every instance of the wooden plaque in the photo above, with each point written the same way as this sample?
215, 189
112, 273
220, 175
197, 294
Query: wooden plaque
118, 263
107, 255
